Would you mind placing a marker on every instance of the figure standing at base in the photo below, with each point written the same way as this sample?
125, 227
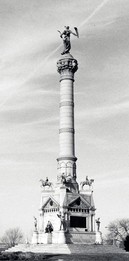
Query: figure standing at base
35, 224
98, 224
65, 35
62, 221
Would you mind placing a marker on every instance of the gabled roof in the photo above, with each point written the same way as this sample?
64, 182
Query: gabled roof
50, 203
79, 201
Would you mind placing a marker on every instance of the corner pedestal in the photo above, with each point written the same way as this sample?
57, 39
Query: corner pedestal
61, 237
99, 240
49, 238
45, 238
35, 237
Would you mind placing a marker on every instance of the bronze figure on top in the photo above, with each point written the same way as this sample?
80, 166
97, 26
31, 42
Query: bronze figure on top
65, 35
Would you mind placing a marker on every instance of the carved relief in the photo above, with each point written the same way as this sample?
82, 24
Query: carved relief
67, 65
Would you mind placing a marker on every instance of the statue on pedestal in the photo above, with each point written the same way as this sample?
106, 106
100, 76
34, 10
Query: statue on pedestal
45, 183
63, 178
49, 227
87, 182
35, 224
65, 35
98, 224
61, 216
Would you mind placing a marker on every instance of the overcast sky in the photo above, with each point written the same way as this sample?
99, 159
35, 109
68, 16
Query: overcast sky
29, 103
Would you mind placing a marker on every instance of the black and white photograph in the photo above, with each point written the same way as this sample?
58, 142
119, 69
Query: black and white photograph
64, 130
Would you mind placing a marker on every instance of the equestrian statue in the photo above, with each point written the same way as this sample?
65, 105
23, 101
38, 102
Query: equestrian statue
45, 183
87, 182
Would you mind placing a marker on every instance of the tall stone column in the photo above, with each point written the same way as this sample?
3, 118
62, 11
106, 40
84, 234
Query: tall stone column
67, 66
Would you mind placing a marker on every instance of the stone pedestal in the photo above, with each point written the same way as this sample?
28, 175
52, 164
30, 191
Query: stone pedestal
61, 237
35, 237
45, 238
49, 238
98, 240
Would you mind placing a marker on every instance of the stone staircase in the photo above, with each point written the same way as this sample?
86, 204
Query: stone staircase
66, 249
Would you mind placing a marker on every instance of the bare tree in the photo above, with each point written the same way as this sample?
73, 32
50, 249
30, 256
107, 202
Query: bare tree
118, 231
12, 237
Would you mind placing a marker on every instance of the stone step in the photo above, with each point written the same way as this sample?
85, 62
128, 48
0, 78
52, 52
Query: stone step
50, 248
66, 249
95, 249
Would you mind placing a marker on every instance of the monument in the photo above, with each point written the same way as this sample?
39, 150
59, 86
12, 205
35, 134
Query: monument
67, 210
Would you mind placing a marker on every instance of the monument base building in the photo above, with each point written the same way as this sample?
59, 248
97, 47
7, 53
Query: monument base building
72, 215
67, 210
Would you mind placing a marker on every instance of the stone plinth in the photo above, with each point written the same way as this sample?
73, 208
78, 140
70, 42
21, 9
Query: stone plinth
61, 237
49, 238
98, 240
81, 238
35, 237
86, 192
45, 238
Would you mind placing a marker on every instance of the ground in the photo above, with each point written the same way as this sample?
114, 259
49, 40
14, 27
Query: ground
78, 257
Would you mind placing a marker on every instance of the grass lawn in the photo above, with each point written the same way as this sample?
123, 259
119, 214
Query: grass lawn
78, 257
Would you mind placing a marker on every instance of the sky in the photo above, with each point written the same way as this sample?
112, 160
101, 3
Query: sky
30, 46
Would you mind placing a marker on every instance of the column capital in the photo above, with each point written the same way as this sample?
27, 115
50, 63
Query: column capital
67, 66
